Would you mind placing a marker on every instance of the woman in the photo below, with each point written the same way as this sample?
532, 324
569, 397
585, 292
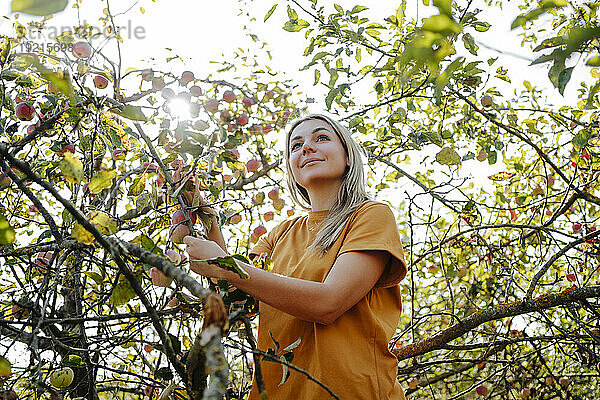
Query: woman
334, 284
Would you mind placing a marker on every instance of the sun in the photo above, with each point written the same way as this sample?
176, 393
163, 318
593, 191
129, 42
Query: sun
179, 108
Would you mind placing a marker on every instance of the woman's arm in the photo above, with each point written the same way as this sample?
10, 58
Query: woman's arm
352, 276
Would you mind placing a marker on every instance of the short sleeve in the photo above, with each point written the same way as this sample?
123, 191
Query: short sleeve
373, 227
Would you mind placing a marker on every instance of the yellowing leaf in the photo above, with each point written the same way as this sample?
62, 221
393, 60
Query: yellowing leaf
38, 7
102, 180
122, 293
5, 370
448, 156
502, 176
80, 234
71, 168
103, 222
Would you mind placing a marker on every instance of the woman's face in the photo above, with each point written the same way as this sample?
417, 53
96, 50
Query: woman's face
316, 154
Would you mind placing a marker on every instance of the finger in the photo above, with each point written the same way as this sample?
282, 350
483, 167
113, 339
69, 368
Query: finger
192, 240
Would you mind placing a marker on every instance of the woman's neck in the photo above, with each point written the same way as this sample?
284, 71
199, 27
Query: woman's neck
323, 197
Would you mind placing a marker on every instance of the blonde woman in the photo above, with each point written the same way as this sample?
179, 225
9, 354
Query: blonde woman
334, 283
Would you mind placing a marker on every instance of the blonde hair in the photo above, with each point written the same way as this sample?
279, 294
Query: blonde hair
352, 191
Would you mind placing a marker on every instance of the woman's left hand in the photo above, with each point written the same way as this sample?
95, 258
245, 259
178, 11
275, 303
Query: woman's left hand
201, 249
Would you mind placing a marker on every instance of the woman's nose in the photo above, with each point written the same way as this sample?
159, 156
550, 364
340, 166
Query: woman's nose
306, 147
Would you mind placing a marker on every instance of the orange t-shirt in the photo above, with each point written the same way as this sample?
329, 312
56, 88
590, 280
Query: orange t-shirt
351, 355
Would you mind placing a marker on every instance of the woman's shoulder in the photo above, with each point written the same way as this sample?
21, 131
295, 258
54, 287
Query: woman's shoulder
373, 206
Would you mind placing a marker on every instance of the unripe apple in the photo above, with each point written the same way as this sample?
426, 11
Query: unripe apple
100, 82
229, 96
196, 91
481, 390
273, 193
186, 77
173, 255
258, 198
576, 227
212, 105
253, 165
564, 382
269, 215
159, 279
61, 378
148, 348
413, 383
5, 181
486, 101
178, 233
24, 112
278, 204
147, 75
259, 231
82, 50
525, 393
242, 119
235, 219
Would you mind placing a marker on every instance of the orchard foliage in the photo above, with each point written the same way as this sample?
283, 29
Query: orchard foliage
495, 189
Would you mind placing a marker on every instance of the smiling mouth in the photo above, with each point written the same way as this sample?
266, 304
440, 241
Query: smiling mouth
310, 162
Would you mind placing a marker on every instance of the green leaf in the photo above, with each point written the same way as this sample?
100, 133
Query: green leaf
357, 9
7, 233
4, 51
593, 62
481, 26
60, 80
270, 12
131, 112
138, 185
164, 373
101, 180
293, 345
122, 292
38, 7
292, 14
563, 78
441, 24
228, 263
445, 6
317, 76
448, 156
71, 168
5, 368
96, 277
295, 25
72, 360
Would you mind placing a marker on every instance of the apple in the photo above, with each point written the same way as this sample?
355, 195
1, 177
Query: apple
486, 101
100, 82
118, 154
82, 50
229, 96
573, 125
278, 204
178, 233
19, 312
549, 212
269, 94
167, 93
158, 278
525, 393
564, 382
212, 105
242, 119
273, 193
179, 216
461, 272
235, 219
550, 180
482, 390
147, 75
200, 125
258, 198
5, 181
482, 155
290, 213
158, 84
149, 391
253, 165
432, 268
225, 116
174, 302
173, 255
24, 112
61, 378
227, 177
585, 154
413, 383
186, 77
196, 91
68, 148
32, 208
255, 129
571, 277
549, 380
267, 128
269, 215
148, 348
259, 231
42, 259
576, 227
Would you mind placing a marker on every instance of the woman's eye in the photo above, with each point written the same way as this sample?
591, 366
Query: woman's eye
295, 146
322, 136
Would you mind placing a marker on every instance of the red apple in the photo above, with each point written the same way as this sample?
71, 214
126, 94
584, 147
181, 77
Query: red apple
486, 101
82, 50
273, 193
148, 347
235, 219
481, 390
253, 165
178, 217
525, 393
178, 233
259, 231
159, 279
242, 119
158, 84
212, 105
269, 215
229, 96
550, 180
576, 227
100, 82
24, 112
225, 116
267, 128
571, 277
564, 382
8, 395
186, 77
19, 313
248, 102
196, 91
549, 380
174, 302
